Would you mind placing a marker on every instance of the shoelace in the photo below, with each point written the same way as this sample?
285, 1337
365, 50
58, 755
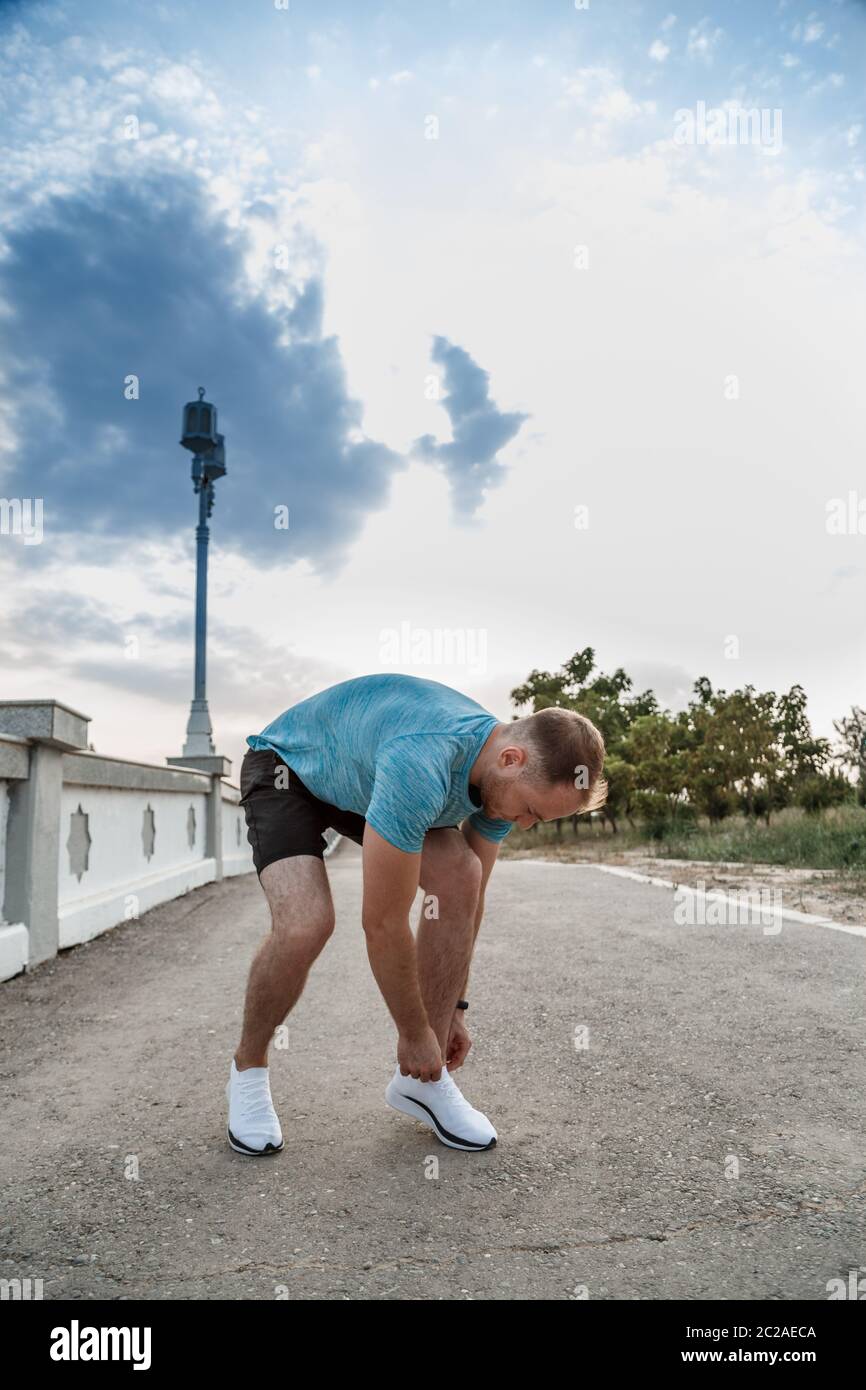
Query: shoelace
453, 1091
255, 1095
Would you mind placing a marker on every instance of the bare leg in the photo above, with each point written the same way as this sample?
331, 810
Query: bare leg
451, 881
302, 919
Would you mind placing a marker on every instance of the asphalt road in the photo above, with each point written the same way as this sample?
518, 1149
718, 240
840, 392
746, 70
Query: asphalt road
706, 1045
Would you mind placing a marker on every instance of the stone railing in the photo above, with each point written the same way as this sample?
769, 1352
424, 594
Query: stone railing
87, 841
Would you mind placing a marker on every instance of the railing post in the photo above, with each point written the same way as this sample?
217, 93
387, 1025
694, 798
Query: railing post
33, 829
214, 839
218, 767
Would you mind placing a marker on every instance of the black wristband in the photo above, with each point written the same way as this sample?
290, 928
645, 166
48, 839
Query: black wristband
462, 1004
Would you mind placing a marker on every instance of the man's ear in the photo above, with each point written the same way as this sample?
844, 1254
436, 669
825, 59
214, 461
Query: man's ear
513, 755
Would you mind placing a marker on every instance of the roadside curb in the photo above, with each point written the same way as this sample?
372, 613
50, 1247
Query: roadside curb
787, 914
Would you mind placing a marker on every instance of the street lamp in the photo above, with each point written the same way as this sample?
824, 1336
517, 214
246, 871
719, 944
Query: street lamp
208, 463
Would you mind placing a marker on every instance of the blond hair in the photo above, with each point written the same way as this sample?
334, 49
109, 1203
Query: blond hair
564, 747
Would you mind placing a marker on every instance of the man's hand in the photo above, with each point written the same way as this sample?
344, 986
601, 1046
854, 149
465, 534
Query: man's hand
420, 1056
459, 1042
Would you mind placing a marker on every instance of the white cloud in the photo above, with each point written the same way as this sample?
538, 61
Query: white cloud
790, 60
616, 105
398, 78
658, 51
130, 77
833, 79
84, 95
607, 102
703, 39
668, 22
179, 84
813, 32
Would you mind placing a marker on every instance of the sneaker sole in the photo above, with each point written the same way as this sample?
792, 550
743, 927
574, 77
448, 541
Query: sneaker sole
417, 1110
241, 1148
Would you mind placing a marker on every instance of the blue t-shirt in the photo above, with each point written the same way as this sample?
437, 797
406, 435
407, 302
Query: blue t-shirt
394, 749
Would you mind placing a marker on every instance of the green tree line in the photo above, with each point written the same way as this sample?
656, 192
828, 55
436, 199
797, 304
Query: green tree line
740, 752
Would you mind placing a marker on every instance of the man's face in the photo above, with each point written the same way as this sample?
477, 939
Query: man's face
509, 795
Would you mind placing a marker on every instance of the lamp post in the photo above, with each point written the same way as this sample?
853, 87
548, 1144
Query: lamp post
208, 463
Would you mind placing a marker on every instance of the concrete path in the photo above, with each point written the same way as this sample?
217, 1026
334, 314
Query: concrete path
708, 1047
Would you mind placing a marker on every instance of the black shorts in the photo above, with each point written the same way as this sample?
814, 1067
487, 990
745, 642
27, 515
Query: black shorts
284, 819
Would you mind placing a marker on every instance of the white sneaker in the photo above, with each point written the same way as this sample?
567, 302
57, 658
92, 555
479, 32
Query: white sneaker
442, 1106
253, 1126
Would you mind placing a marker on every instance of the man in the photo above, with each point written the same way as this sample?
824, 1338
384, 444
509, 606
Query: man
429, 784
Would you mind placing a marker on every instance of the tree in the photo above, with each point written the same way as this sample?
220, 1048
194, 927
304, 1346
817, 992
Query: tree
654, 747
851, 752
816, 793
752, 749
805, 755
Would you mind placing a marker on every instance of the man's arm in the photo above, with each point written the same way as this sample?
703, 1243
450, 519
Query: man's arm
390, 884
487, 851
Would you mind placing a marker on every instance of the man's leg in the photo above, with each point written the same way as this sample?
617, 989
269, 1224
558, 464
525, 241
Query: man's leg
302, 919
451, 882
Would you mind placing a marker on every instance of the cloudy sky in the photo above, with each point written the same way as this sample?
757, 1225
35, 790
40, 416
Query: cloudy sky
543, 340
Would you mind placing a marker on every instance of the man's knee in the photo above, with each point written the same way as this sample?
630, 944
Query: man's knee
302, 913
308, 932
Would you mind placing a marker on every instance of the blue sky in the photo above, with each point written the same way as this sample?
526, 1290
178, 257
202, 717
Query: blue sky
450, 278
